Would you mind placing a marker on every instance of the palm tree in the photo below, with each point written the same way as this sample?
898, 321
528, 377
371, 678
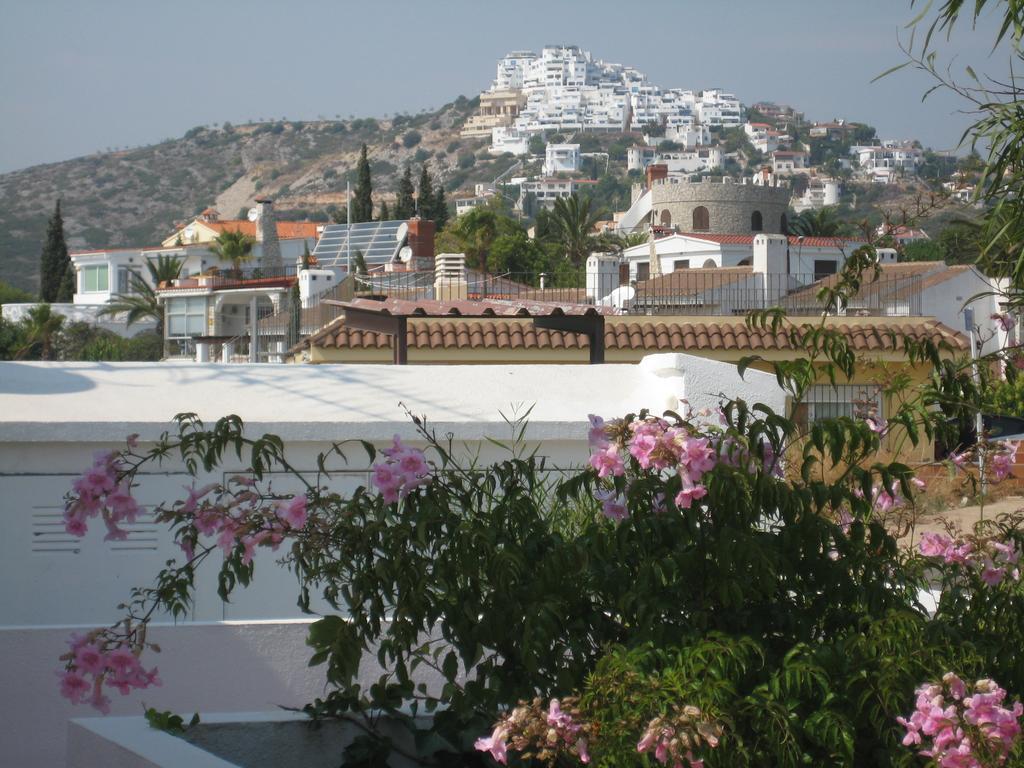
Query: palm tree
40, 327
142, 303
233, 246
822, 222
477, 231
572, 227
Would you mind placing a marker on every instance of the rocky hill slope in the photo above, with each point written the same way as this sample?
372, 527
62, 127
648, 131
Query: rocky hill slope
134, 197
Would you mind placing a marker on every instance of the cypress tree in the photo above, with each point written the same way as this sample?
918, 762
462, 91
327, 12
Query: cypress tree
405, 206
425, 199
385, 214
54, 264
362, 202
440, 216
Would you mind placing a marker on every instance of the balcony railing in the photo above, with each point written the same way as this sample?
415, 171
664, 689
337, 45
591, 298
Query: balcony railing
221, 279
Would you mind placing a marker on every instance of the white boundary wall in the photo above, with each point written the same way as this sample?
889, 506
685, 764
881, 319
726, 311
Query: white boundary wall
249, 654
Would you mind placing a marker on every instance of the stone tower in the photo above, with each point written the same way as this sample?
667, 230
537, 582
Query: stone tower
266, 234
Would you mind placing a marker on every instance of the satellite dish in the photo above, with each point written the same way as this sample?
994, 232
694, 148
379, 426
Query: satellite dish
403, 231
253, 214
405, 254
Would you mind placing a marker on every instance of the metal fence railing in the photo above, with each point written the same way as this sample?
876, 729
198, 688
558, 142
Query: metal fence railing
697, 292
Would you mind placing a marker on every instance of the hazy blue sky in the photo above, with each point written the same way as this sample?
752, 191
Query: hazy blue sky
80, 75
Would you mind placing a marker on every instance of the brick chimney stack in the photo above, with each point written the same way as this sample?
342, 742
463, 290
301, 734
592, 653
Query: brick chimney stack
266, 233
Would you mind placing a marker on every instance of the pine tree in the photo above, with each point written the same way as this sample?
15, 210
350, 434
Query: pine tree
55, 263
362, 203
385, 214
440, 216
425, 198
405, 206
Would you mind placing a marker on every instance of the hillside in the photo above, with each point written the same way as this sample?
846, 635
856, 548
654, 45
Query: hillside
134, 197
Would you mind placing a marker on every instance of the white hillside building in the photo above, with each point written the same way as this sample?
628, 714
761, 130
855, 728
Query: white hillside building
565, 89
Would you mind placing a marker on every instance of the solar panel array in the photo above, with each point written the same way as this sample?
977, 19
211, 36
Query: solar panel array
378, 241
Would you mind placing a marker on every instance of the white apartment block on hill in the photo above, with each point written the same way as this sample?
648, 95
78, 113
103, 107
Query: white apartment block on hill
565, 89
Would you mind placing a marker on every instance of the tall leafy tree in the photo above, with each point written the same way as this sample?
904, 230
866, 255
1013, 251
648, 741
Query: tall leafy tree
571, 225
233, 246
142, 303
55, 263
405, 205
425, 196
477, 231
362, 202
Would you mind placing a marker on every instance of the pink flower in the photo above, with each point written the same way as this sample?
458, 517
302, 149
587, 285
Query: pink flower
75, 526
581, 750
73, 686
1003, 460
934, 544
89, 659
597, 437
122, 661
608, 462
413, 465
878, 426
385, 477
689, 494
294, 512
194, 496
495, 744
1004, 320
612, 505
641, 447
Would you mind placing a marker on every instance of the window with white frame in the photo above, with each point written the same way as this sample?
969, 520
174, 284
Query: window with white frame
125, 283
95, 279
186, 316
861, 401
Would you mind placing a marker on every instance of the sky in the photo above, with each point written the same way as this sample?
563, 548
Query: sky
78, 76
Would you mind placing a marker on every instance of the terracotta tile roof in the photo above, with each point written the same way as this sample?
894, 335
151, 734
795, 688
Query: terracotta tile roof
808, 242
286, 230
471, 308
652, 336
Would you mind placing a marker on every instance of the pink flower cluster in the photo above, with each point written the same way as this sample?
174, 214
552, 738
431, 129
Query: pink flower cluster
996, 561
549, 734
673, 739
1001, 458
101, 490
403, 470
960, 731
90, 667
1004, 320
240, 516
654, 445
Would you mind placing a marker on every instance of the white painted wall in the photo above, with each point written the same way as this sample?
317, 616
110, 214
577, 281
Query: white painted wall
82, 313
249, 654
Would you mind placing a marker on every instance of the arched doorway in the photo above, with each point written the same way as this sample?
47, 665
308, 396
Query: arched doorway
701, 219
666, 218
756, 222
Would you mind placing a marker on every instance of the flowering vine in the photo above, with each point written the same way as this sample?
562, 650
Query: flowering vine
959, 727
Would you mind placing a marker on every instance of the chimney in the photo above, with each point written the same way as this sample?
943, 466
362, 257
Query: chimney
421, 241
266, 233
656, 172
450, 277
